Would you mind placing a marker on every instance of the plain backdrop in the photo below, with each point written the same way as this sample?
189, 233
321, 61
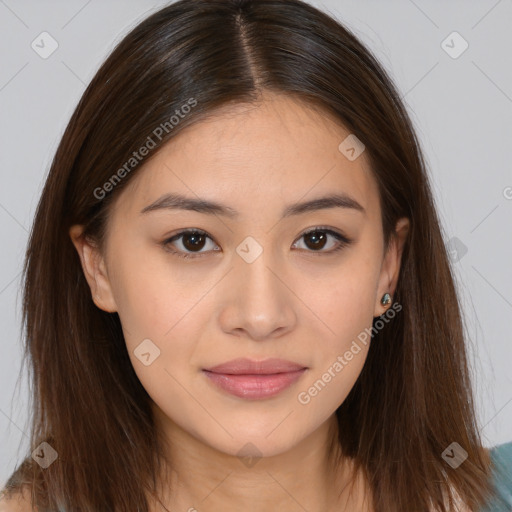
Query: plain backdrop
451, 62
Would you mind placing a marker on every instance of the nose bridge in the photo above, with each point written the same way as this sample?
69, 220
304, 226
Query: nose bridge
257, 281
259, 301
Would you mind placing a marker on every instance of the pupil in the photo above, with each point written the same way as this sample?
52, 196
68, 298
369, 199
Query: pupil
195, 244
319, 238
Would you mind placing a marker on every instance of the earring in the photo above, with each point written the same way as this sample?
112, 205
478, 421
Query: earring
386, 299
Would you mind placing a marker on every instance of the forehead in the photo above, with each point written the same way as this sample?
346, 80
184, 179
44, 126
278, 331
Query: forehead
257, 156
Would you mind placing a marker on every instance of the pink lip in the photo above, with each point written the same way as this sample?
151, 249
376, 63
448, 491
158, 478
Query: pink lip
255, 379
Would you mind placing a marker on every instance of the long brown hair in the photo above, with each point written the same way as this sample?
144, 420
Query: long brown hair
413, 397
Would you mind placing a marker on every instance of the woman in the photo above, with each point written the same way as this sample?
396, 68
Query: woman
237, 294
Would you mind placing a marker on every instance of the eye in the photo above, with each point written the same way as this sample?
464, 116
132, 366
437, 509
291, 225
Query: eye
316, 239
193, 240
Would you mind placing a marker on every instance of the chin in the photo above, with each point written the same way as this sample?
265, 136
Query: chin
252, 445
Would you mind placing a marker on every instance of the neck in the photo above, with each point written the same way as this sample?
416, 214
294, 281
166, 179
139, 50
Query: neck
302, 478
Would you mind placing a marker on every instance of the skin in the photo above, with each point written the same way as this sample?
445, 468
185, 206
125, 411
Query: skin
294, 301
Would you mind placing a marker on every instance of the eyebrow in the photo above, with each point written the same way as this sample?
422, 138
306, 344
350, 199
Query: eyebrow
180, 202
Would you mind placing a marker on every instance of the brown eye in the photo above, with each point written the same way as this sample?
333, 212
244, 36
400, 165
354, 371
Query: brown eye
193, 241
317, 239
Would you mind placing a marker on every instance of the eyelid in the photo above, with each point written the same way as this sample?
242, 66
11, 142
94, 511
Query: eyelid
342, 239
331, 231
178, 235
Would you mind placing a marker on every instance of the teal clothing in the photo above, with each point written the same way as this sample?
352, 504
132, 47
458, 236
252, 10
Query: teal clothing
501, 456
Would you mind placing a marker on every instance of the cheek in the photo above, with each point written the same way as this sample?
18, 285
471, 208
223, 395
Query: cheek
348, 310
144, 300
346, 302
156, 302
346, 307
160, 326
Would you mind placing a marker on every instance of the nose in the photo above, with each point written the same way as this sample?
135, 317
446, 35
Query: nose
258, 300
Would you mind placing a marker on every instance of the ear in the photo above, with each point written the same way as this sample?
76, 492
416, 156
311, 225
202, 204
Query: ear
390, 269
94, 267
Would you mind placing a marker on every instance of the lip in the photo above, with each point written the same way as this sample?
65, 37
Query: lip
255, 380
244, 366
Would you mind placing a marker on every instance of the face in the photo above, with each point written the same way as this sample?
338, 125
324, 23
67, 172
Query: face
257, 280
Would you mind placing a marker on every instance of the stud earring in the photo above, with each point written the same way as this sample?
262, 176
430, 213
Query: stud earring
386, 299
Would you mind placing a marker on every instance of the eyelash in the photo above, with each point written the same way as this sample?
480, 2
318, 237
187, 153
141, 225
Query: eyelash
343, 241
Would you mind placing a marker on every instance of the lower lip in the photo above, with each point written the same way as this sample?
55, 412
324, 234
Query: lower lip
254, 387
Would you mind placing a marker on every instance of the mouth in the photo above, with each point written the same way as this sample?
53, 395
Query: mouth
255, 380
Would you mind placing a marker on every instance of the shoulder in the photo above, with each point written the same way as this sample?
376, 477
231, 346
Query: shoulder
501, 456
501, 460
18, 502
502, 452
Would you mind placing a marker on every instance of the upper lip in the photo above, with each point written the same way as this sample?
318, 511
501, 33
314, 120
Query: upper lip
244, 366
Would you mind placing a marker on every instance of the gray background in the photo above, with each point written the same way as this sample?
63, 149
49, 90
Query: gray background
461, 108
